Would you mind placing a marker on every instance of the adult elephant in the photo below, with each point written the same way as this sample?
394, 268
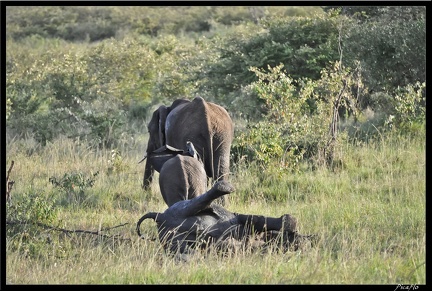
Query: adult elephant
207, 125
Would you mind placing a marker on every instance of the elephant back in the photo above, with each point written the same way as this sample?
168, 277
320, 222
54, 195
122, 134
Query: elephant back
181, 178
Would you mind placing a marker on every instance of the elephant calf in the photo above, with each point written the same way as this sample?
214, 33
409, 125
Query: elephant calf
181, 173
197, 223
181, 178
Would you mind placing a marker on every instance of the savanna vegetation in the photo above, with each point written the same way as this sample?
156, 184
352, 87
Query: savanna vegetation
329, 110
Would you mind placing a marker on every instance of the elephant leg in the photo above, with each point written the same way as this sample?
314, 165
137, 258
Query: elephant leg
188, 208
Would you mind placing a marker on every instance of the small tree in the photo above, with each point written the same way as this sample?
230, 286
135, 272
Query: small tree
302, 117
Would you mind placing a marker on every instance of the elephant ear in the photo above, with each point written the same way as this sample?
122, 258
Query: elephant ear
163, 112
158, 160
161, 155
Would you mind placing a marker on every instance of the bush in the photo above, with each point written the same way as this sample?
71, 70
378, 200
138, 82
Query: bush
390, 42
303, 45
73, 185
301, 117
23, 216
79, 93
408, 107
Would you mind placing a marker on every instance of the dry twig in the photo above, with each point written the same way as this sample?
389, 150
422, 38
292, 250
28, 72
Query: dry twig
98, 232
9, 184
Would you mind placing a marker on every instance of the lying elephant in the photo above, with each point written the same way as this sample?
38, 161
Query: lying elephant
188, 224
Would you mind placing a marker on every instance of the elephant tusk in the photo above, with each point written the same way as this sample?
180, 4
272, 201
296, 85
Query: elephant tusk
145, 156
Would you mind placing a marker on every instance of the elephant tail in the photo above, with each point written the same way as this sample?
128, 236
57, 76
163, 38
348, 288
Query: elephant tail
209, 149
151, 215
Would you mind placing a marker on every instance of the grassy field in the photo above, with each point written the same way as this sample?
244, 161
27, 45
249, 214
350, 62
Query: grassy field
369, 215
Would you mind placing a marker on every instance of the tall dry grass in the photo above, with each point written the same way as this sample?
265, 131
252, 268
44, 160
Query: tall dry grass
368, 214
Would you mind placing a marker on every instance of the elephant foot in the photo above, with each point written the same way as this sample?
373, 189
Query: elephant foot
224, 187
289, 223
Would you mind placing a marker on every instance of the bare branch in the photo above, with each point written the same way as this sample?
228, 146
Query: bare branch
9, 184
98, 232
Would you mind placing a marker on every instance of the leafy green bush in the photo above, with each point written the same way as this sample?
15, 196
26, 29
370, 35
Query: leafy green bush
301, 117
390, 42
304, 45
171, 80
32, 207
23, 215
73, 185
102, 122
409, 107
403, 110
79, 93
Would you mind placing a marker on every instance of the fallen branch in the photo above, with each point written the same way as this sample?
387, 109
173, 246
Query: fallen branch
98, 232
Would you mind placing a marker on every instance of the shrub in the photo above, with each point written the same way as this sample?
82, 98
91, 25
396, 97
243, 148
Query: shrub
303, 45
390, 42
73, 185
23, 216
408, 107
301, 117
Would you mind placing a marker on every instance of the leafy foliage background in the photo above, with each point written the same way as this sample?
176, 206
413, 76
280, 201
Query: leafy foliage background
97, 73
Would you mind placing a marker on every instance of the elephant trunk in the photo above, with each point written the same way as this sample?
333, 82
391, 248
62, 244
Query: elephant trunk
148, 174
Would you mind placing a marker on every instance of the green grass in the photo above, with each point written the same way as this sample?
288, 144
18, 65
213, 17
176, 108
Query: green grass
369, 215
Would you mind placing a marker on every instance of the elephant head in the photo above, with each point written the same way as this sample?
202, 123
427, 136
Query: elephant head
207, 125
